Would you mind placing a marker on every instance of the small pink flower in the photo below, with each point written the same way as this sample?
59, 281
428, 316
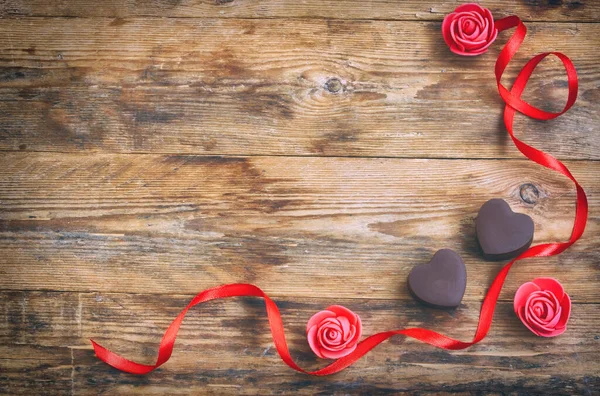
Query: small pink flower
469, 30
334, 332
543, 306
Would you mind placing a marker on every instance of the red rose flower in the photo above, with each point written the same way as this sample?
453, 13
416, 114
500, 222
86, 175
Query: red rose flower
334, 332
469, 30
543, 306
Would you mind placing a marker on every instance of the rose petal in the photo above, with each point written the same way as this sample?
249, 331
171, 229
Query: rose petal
458, 51
349, 338
486, 46
335, 324
337, 338
530, 315
329, 346
318, 317
476, 33
311, 336
547, 299
341, 311
482, 46
485, 24
332, 348
459, 27
345, 326
329, 324
551, 285
492, 38
540, 327
358, 327
565, 306
540, 299
468, 27
482, 36
549, 313
554, 332
529, 318
479, 18
327, 328
526, 323
490, 19
469, 45
471, 22
523, 293
330, 321
454, 38
533, 313
538, 324
330, 336
338, 354
555, 319
320, 339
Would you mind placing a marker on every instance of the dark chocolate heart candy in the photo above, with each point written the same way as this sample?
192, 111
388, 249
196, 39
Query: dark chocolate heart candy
502, 233
441, 282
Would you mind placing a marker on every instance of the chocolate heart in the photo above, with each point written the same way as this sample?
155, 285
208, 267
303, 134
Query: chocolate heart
441, 282
502, 233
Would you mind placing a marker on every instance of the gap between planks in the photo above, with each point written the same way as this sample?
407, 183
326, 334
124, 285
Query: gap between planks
273, 296
274, 18
258, 156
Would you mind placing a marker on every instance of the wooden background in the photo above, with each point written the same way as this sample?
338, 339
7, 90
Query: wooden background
319, 149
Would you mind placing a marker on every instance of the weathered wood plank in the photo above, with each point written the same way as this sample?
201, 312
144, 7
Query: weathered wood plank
34, 369
546, 10
215, 80
169, 224
225, 346
341, 88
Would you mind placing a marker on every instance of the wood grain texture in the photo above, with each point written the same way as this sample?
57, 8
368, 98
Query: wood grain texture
320, 149
232, 87
34, 369
224, 346
545, 10
168, 224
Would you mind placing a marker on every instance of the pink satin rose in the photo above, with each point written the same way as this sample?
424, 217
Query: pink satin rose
334, 332
543, 306
469, 30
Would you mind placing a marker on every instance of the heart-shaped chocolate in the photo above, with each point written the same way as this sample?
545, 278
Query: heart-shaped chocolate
441, 282
502, 233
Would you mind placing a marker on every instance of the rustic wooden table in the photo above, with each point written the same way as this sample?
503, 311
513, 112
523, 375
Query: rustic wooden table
319, 149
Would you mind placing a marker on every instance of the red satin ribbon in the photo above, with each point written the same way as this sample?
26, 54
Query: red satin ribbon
514, 103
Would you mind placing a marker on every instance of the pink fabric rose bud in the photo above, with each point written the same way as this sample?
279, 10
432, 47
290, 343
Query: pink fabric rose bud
334, 332
469, 30
543, 306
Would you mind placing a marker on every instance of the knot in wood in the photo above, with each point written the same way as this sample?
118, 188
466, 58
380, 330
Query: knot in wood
529, 193
334, 85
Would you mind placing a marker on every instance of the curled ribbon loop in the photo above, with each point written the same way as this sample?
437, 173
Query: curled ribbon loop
514, 103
